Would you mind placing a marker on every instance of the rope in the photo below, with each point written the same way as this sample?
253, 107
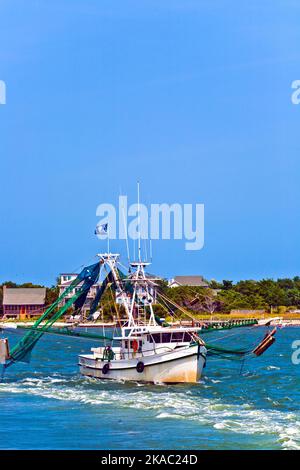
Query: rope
65, 332
177, 306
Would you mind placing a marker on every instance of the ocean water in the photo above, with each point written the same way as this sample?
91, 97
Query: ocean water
250, 405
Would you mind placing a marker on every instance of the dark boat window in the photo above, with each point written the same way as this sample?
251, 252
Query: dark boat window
166, 337
155, 338
187, 337
177, 337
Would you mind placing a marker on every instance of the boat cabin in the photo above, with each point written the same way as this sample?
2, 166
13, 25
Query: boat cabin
144, 341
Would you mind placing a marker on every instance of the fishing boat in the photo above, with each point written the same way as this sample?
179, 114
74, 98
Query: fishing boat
145, 348
145, 351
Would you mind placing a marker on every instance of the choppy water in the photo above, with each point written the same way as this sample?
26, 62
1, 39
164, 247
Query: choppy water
48, 405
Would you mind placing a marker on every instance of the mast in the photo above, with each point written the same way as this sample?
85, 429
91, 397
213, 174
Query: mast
138, 279
126, 233
139, 221
111, 260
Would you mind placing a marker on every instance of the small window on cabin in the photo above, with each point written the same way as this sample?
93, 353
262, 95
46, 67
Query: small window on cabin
166, 338
187, 337
177, 337
155, 338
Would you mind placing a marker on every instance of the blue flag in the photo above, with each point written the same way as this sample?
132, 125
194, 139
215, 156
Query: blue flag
101, 229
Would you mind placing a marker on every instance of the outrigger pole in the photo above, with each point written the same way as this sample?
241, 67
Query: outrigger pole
22, 349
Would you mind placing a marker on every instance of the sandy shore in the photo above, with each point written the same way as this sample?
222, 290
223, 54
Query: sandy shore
284, 323
57, 324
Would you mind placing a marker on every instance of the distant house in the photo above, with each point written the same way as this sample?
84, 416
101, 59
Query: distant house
146, 296
23, 302
65, 280
247, 311
192, 281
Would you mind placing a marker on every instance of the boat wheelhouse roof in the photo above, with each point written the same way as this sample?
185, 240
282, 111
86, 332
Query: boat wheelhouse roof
149, 330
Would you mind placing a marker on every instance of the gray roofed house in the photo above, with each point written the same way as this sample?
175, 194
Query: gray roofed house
29, 301
192, 281
65, 280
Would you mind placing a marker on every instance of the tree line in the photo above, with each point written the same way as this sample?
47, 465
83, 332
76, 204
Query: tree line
265, 294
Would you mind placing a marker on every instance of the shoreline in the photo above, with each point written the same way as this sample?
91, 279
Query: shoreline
15, 324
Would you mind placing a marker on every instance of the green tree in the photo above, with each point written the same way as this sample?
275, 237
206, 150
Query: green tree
52, 294
227, 285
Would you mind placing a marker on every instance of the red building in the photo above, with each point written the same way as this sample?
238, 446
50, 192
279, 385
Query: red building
23, 302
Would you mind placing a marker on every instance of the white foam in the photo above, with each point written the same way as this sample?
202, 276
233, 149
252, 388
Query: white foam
165, 403
169, 415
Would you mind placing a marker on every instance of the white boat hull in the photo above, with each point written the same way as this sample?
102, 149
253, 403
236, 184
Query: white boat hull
182, 365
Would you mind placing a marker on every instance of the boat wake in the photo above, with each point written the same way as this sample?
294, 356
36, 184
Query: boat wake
280, 428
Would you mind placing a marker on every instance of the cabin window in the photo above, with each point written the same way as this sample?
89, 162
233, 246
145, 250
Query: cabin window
176, 337
181, 337
166, 338
186, 337
155, 338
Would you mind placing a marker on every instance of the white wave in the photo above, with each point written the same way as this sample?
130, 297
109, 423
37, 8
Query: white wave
164, 403
169, 415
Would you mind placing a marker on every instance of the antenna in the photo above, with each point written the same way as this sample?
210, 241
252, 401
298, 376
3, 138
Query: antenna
107, 238
126, 233
139, 221
150, 239
150, 250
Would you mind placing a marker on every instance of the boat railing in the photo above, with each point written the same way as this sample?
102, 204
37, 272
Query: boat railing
119, 355
138, 354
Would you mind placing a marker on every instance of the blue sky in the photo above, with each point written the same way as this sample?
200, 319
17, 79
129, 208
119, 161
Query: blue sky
193, 98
